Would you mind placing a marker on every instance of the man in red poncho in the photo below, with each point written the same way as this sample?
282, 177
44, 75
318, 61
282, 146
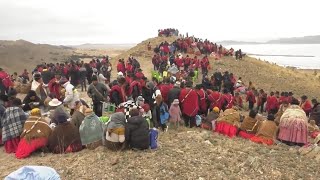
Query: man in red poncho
121, 66
251, 98
190, 104
164, 89
5, 82
203, 99
54, 86
215, 99
227, 99
272, 104
204, 65
306, 105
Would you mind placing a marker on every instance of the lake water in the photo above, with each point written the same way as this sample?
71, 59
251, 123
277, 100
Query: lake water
285, 49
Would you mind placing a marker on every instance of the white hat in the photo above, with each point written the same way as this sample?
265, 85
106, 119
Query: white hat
55, 102
158, 92
120, 73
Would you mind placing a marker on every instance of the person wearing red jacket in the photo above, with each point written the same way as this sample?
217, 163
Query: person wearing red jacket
306, 105
121, 66
251, 98
237, 100
215, 99
135, 88
203, 99
139, 74
227, 99
178, 62
204, 65
129, 68
54, 86
187, 62
164, 89
272, 104
190, 104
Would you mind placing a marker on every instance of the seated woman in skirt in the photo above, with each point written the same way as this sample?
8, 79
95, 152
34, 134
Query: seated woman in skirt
12, 126
65, 137
228, 123
114, 133
266, 132
249, 126
91, 130
293, 127
36, 132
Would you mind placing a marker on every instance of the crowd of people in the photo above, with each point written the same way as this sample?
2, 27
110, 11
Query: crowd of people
168, 32
53, 114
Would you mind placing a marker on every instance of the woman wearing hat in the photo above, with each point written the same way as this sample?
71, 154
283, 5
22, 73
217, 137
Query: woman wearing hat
65, 137
36, 132
12, 125
56, 107
267, 131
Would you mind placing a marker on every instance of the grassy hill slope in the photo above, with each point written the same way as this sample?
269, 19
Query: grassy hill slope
269, 77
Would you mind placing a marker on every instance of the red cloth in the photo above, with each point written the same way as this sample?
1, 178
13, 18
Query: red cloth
133, 84
205, 126
314, 134
120, 91
189, 102
129, 68
11, 145
203, 100
226, 129
229, 99
25, 148
250, 97
245, 135
282, 99
121, 68
262, 140
237, 101
178, 62
54, 88
6, 79
165, 88
307, 107
139, 75
272, 103
215, 99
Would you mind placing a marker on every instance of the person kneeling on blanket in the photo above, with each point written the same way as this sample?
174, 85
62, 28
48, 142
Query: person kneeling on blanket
266, 132
249, 126
36, 132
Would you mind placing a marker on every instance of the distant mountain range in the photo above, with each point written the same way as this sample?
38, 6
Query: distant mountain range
293, 40
102, 46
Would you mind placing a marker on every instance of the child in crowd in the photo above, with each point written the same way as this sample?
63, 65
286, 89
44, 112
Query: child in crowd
175, 114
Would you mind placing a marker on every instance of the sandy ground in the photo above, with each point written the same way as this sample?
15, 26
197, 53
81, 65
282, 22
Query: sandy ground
183, 154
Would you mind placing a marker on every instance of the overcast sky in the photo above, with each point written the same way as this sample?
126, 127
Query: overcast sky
132, 21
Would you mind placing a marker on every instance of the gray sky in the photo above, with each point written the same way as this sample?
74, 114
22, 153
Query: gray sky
132, 21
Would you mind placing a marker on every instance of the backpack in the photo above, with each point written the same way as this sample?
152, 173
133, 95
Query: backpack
164, 114
153, 138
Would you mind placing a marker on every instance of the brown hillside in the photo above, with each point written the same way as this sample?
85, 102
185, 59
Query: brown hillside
264, 75
20, 54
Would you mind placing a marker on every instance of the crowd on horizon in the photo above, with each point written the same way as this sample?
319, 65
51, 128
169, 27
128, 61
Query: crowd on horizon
54, 115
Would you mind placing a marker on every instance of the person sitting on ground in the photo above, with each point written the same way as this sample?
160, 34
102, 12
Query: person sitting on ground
228, 122
36, 132
11, 124
3, 105
56, 106
39, 87
283, 107
31, 101
137, 131
267, 131
293, 127
65, 137
78, 115
249, 126
207, 121
315, 112
91, 130
115, 132
313, 129
175, 114
305, 104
